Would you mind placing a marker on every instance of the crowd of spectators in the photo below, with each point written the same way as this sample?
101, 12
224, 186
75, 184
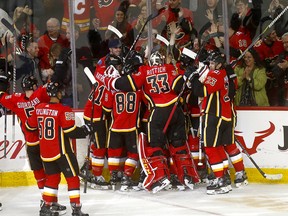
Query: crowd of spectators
42, 30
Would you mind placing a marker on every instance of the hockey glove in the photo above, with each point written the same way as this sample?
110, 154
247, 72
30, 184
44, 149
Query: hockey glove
203, 71
87, 129
4, 83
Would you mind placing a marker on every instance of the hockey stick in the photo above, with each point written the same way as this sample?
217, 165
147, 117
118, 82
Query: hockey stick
178, 99
149, 18
265, 175
233, 63
93, 81
115, 30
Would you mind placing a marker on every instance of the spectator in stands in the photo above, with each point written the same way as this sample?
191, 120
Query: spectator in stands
81, 15
251, 81
250, 16
120, 22
268, 49
27, 63
280, 70
45, 42
207, 11
83, 59
104, 15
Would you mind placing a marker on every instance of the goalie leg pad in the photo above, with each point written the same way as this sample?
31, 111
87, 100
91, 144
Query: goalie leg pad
154, 167
184, 164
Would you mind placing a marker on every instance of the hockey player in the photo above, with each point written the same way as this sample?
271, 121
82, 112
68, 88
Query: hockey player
123, 132
22, 104
99, 147
160, 82
212, 85
55, 124
217, 62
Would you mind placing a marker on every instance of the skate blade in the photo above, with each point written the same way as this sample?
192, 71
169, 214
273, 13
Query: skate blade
222, 190
100, 187
159, 188
189, 185
241, 184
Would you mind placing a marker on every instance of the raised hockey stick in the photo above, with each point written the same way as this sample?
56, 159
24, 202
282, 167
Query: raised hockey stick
149, 18
178, 98
115, 30
265, 175
93, 81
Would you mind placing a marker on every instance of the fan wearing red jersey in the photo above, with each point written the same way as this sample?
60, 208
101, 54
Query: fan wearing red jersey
55, 124
23, 104
160, 83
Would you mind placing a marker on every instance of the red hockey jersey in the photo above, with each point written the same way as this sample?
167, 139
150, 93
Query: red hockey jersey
157, 83
216, 100
23, 108
53, 120
125, 110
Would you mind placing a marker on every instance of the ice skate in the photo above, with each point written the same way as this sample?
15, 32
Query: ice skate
227, 180
159, 185
114, 179
76, 210
45, 210
175, 184
56, 207
99, 183
127, 184
83, 176
189, 182
240, 179
217, 186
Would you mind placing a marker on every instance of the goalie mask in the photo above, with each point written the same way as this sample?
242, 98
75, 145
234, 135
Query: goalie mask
28, 83
155, 59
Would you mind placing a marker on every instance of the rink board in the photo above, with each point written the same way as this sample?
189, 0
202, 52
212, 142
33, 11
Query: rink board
263, 132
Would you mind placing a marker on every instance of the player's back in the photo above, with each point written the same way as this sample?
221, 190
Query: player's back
53, 120
158, 84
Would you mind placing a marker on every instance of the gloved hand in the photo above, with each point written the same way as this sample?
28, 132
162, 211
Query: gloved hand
64, 55
87, 129
4, 83
1, 111
112, 72
203, 71
190, 73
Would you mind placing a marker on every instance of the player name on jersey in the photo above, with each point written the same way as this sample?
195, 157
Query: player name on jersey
30, 103
49, 112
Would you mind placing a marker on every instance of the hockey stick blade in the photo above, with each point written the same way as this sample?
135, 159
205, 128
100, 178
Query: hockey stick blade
115, 30
8, 25
273, 176
162, 39
90, 75
267, 176
189, 53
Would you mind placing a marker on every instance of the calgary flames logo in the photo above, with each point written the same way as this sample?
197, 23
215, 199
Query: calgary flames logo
104, 3
257, 140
